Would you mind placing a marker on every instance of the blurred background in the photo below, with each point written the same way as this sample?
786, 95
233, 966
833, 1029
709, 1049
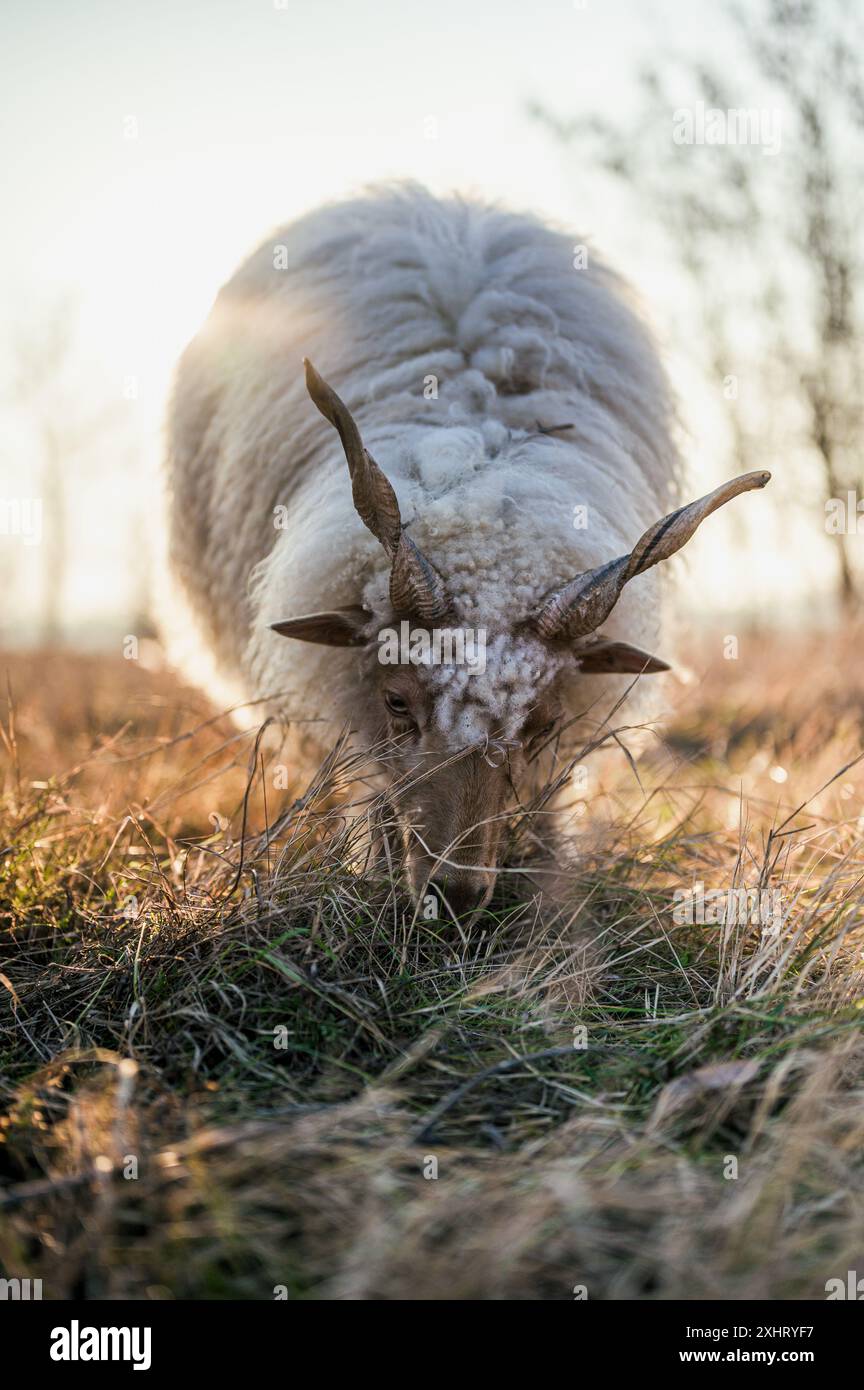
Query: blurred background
148, 148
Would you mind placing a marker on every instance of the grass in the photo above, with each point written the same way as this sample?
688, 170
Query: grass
233, 1063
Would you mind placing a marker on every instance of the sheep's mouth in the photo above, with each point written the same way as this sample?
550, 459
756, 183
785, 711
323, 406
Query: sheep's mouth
455, 895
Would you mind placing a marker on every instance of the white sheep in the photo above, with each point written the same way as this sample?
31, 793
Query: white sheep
508, 433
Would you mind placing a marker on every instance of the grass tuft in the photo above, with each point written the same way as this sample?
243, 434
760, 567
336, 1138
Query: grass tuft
233, 1060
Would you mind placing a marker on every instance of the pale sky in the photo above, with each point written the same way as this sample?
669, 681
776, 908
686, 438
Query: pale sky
147, 147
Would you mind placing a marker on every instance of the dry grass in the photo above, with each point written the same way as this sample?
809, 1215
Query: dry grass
167, 917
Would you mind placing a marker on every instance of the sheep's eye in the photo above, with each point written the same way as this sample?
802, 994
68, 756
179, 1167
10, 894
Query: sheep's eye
395, 704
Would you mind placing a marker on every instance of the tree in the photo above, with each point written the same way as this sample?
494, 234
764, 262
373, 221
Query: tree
770, 245
49, 399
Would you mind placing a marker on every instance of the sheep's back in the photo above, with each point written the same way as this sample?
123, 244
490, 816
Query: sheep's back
430, 317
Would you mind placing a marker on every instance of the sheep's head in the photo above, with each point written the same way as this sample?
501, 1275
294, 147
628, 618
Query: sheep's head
455, 739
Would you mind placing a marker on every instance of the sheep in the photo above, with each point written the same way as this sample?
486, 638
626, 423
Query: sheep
509, 438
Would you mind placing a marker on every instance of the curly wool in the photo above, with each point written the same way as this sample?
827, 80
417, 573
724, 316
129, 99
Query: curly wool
457, 334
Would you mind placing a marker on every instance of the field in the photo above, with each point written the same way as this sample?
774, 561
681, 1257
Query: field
232, 1065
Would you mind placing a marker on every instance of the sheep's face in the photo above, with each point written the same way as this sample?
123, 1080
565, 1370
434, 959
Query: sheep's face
457, 737
455, 769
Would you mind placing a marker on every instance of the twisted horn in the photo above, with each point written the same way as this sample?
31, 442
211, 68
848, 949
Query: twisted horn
582, 605
416, 587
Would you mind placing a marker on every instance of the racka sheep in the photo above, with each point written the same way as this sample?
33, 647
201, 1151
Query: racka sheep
507, 430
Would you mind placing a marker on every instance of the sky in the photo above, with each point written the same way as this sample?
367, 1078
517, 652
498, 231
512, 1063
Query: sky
147, 148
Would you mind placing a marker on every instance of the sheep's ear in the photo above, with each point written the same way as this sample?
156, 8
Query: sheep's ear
341, 627
618, 658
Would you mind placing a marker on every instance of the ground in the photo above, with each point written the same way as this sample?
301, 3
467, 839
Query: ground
232, 1065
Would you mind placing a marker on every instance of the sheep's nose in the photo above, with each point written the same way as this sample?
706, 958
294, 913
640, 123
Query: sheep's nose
461, 896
